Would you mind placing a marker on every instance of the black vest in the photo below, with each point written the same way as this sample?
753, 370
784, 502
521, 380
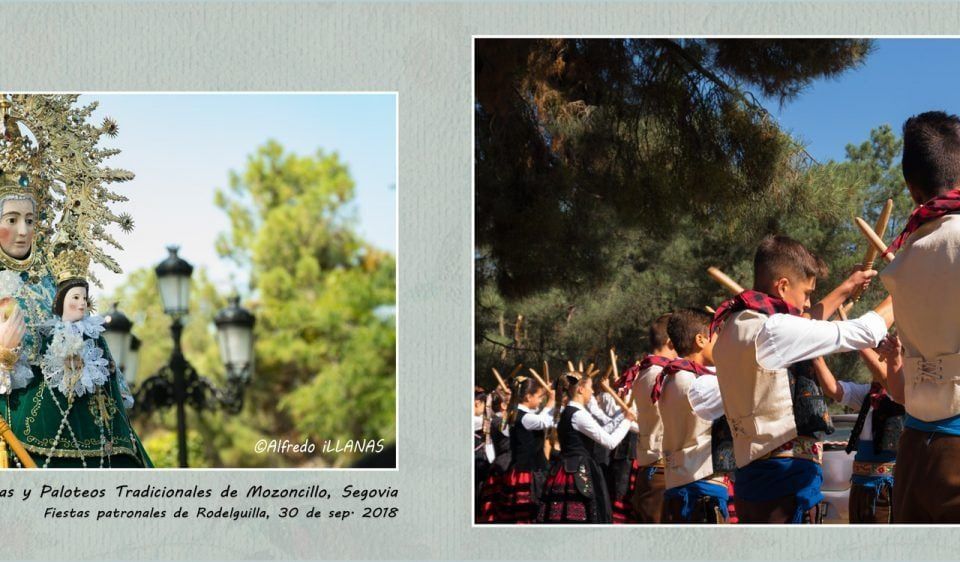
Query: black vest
572, 443
887, 422
526, 447
721, 447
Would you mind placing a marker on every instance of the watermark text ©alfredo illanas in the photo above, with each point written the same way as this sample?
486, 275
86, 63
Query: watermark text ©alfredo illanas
308, 447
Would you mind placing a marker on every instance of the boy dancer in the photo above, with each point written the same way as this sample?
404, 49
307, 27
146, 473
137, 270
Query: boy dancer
761, 335
926, 298
647, 498
690, 405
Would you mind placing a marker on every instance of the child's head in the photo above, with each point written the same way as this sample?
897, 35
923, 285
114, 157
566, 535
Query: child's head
479, 400
660, 343
931, 154
524, 391
573, 385
689, 331
784, 268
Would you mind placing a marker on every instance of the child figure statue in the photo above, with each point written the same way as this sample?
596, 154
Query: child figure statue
81, 420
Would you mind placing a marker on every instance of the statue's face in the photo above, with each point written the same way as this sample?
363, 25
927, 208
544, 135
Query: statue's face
75, 304
16, 227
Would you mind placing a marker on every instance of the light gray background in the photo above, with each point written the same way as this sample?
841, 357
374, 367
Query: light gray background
422, 50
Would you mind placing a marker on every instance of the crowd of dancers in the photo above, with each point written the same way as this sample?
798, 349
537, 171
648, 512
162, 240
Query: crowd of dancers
724, 420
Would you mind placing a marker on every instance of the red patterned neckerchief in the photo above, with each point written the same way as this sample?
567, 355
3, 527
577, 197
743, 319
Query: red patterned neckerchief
939, 206
625, 382
672, 368
751, 300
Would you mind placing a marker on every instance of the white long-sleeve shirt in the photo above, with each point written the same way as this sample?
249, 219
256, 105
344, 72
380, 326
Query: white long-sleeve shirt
535, 421
585, 423
705, 399
608, 419
785, 339
853, 396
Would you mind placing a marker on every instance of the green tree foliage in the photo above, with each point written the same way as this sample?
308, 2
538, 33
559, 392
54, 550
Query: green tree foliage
591, 224
325, 348
326, 336
578, 140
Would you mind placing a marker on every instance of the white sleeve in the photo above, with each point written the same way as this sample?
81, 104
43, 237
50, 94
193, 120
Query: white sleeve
853, 394
614, 422
596, 411
491, 454
609, 405
585, 424
536, 422
786, 339
477, 423
704, 396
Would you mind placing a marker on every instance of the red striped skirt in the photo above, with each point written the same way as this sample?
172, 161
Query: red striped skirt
623, 512
515, 501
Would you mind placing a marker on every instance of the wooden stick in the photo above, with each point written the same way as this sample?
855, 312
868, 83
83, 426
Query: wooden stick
500, 383
725, 280
871, 255
873, 238
546, 371
516, 370
570, 367
710, 309
15, 445
616, 397
540, 380
613, 363
842, 311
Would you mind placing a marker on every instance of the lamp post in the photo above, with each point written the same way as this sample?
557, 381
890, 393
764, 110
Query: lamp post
177, 383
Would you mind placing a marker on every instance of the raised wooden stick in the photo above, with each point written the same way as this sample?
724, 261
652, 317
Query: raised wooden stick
842, 311
546, 372
725, 280
15, 445
710, 309
873, 238
616, 397
871, 254
500, 383
540, 380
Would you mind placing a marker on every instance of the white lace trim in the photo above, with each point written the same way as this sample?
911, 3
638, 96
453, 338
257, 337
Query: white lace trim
19, 377
67, 341
10, 283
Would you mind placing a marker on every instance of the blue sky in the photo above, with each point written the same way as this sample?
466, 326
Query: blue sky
181, 147
902, 77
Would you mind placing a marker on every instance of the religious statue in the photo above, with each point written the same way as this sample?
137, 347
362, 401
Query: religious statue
61, 394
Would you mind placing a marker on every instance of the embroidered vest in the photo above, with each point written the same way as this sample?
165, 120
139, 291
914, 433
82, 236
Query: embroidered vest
687, 444
926, 303
758, 402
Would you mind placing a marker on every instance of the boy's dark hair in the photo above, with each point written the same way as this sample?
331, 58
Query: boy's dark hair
658, 336
931, 153
782, 256
684, 326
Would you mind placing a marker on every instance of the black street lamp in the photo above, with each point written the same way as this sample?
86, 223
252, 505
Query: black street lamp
177, 383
